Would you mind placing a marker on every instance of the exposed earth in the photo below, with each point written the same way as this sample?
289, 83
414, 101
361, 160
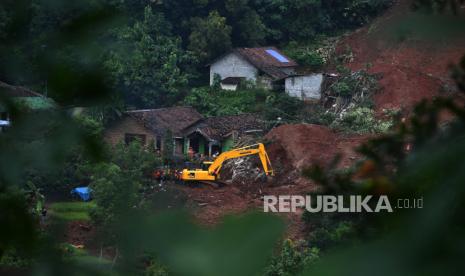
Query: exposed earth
291, 149
410, 71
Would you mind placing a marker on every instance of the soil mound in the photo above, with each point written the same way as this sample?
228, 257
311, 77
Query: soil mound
293, 148
412, 68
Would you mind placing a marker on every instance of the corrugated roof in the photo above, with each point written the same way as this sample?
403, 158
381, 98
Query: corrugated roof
260, 56
262, 59
160, 120
268, 63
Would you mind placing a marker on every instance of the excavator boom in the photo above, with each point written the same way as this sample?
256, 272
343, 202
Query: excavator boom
213, 172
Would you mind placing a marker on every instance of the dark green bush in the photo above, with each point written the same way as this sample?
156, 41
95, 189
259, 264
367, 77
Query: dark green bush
291, 259
310, 58
283, 106
361, 120
213, 101
156, 269
342, 88
325, 237
318, 115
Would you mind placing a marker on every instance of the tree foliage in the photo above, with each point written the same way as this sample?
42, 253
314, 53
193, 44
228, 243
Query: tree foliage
291, 259
145, 67
213, 101
210, 37
146, 52
116, 184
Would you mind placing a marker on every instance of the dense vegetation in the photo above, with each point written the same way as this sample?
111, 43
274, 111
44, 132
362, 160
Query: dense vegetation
51, 150
150, 52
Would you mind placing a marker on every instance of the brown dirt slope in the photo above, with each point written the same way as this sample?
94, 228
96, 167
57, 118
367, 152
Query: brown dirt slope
291, 148
412, 69
296, 147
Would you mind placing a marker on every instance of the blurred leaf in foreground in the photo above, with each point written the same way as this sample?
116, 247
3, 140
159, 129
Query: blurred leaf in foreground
240, 245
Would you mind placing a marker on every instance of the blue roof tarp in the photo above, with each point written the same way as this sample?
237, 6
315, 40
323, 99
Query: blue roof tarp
82, 192
277, 56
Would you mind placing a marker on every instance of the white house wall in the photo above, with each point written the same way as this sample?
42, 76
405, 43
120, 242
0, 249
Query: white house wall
233, 65
305, 87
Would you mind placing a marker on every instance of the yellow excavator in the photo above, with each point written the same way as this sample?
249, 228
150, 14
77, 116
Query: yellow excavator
212, 173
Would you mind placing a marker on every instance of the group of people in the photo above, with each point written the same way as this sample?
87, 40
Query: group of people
166, 174
169, 174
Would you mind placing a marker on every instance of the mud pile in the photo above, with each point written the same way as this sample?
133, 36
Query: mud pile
412, 69
293, 148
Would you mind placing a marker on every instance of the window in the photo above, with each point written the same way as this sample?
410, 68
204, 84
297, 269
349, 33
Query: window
130, 137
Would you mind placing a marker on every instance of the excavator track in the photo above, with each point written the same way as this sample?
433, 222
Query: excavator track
215, 184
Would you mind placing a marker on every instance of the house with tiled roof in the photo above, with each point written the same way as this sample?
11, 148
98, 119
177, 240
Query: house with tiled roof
151, 126
267, 67
187, 128
222, 133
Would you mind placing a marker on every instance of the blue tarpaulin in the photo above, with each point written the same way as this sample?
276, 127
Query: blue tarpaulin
277, 56
82, 192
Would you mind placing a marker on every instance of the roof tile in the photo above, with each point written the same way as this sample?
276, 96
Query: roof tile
174, 119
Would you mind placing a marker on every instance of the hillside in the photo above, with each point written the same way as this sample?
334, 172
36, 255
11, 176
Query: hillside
412, 68
232, 137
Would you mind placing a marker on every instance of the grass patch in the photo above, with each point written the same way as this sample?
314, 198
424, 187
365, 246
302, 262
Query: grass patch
71, 215
71, 210
82, 257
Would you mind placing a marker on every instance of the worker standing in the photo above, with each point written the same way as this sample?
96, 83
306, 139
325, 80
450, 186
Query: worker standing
191, 153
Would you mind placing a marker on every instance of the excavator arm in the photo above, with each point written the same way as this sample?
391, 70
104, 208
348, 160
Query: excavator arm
214, 169
259, 149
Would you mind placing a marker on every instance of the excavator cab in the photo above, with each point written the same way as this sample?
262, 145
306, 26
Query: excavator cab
206, 164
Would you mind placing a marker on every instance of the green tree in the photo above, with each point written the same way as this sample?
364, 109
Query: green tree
134, 159
247, 26
4, 20
116, 183
168, 146
210, 37
292, 258
115, 192
301, 20
145, 67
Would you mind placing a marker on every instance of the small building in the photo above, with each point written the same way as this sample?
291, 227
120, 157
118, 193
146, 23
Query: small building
265, 66
222, 133
153, 126
306, 87
23, 98
188, 129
